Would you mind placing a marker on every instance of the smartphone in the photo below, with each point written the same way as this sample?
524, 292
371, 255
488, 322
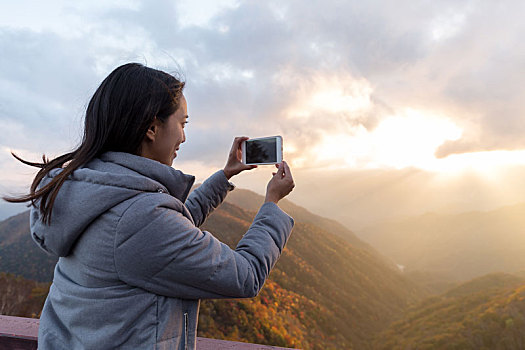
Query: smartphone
262, 150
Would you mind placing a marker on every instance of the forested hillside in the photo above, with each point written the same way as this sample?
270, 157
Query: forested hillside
324, 292
353, 295
485, 313
20, 296
19, 255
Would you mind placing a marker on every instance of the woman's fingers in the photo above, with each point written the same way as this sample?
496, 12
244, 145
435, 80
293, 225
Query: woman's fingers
283, 169
286, 169
280, 171
236, 146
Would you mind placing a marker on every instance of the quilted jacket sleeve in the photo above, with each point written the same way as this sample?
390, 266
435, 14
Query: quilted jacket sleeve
160, 250
204, 199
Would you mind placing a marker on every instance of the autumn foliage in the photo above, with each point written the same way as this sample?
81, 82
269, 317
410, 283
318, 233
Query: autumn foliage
20, 296
327, 291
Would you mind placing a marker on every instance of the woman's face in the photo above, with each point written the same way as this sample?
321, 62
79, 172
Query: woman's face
164, 138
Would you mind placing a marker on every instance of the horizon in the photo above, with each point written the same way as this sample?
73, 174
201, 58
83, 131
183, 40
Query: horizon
354, 224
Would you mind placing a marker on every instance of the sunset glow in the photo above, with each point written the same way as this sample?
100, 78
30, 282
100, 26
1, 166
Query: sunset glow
330, 94
332, 106
408, 140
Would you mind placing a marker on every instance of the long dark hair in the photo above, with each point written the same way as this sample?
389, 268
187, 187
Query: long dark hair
117, 119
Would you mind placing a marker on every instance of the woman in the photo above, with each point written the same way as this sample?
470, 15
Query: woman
133, 262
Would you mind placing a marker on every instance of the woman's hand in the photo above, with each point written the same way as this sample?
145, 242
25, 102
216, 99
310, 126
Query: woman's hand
234, 164
280, 185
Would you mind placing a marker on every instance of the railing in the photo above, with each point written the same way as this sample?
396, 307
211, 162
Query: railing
19, 333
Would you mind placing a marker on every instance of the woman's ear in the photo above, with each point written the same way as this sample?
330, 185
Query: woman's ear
151, 134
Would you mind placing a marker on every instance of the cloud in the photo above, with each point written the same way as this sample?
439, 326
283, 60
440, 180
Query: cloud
256, 68
442, 57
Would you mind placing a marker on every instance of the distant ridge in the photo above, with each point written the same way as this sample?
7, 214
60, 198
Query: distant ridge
251, 201
460, 246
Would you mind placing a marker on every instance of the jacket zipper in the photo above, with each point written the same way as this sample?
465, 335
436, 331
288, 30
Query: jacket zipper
185, 331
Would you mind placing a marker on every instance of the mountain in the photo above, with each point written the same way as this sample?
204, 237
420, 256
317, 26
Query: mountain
485, 313
460, 246
433, 282
324, 293
252, 201
19, 255
354, 294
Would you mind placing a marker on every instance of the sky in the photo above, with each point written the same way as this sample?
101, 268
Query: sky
386, 108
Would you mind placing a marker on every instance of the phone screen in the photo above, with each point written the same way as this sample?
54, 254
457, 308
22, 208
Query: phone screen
261, 151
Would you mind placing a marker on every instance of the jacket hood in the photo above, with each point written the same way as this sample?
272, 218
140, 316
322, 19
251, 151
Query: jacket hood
97, 187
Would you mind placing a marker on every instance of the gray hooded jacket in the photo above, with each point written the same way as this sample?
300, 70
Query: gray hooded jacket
133, 262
